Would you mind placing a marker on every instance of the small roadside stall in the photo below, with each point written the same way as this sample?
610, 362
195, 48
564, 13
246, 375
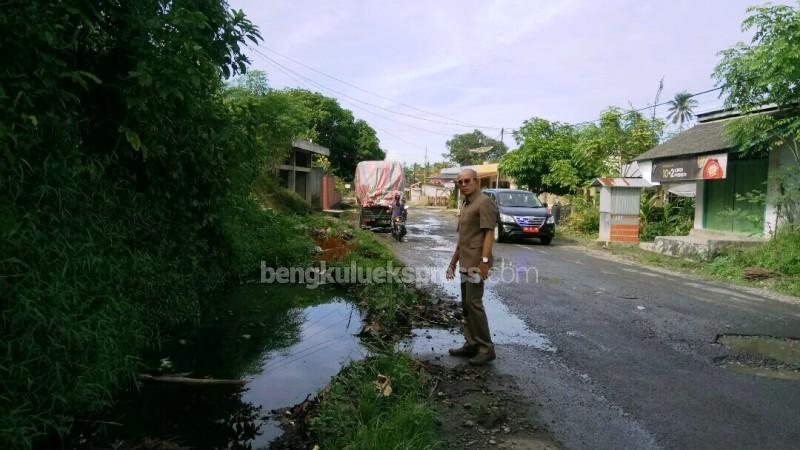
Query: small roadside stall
619, 208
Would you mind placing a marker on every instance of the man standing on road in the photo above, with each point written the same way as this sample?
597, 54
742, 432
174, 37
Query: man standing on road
474, 257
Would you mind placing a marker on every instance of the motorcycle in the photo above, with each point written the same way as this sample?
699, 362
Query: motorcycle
399, 226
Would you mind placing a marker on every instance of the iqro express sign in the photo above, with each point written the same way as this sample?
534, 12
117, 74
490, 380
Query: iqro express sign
704, 167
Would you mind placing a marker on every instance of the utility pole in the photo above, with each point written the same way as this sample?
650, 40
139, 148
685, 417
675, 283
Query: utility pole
424, 177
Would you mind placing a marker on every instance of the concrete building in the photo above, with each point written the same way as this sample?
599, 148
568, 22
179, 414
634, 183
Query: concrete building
704, 156
310, 183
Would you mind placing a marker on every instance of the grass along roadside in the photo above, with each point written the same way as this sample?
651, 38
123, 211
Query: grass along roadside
381, 402
780, 256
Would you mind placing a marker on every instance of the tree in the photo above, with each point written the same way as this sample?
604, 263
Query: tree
681, 108
116, 150
459, 146
766, 72
617, 139
254, 82
328, 124
561, 158
545, 159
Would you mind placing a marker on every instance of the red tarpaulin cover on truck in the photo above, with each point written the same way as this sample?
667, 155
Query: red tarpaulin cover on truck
376, 182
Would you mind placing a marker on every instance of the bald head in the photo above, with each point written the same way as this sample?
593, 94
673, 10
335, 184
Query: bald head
468, 173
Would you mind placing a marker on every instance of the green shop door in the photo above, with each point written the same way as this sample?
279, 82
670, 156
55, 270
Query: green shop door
744, 175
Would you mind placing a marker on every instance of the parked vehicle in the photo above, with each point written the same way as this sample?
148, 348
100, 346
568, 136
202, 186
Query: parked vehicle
521, 215
376, 183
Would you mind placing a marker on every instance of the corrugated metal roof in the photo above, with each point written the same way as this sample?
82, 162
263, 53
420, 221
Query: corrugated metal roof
702, 138
621, 182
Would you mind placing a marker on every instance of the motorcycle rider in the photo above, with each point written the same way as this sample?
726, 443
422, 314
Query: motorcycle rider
399, 212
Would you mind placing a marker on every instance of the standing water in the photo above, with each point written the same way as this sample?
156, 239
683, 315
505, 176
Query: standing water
285, 341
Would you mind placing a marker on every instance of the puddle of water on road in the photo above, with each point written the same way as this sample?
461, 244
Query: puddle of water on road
285, 353
779, 374
786, 351
506, 328
775, 357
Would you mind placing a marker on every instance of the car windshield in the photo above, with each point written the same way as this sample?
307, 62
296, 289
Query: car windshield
521, 199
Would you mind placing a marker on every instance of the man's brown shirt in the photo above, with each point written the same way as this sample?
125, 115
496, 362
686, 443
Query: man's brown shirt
478, 215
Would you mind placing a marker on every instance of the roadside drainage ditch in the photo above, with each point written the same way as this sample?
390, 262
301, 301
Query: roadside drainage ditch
259, 335
764, 356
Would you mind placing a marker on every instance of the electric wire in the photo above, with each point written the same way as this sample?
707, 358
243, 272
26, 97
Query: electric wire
367, 91
298, 77
309, 82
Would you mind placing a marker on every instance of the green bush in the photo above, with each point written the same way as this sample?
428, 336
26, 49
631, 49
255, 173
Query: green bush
255, 234
119, 162
584, 216
673, 219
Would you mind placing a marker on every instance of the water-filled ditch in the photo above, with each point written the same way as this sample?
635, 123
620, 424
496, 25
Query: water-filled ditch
286, 341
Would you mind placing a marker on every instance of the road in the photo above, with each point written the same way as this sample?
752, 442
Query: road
631, 359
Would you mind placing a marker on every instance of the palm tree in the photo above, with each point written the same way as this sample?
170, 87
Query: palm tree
681, 108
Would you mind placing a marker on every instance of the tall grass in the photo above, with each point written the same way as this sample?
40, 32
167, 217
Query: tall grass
354, 414
780, 254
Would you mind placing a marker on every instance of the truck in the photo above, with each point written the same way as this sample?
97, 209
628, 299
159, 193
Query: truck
376, 183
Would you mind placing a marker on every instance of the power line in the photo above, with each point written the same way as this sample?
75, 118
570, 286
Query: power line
463, 123
419, 147
288, 71
460, 122
294, 76
413, 116
646, 107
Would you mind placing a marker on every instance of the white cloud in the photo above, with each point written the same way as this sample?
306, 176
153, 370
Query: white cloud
497, 62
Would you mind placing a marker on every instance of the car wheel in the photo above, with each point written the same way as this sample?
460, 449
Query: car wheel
498, 235
546, 241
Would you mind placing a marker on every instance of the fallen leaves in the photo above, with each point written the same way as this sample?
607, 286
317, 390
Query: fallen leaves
384, 385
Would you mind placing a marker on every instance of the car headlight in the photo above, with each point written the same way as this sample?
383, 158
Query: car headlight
551, 219
506, 218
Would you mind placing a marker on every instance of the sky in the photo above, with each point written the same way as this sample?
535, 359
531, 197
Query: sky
420, 71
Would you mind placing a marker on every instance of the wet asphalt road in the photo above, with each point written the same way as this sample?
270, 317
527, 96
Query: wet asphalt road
636, 362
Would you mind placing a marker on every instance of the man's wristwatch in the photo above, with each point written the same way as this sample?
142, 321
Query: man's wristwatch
485, 260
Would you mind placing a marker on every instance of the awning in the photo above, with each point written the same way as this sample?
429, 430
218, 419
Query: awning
621, 182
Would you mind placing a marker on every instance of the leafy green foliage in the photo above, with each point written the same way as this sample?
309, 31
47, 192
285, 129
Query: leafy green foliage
459, 146
618, 138
766, 70
127, 191
353, 414
584, 216
546, 159
328, 124
560, 158
657, 218
762, 73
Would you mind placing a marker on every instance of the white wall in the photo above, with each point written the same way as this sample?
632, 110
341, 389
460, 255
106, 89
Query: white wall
778, 159
699, 199
646, 169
